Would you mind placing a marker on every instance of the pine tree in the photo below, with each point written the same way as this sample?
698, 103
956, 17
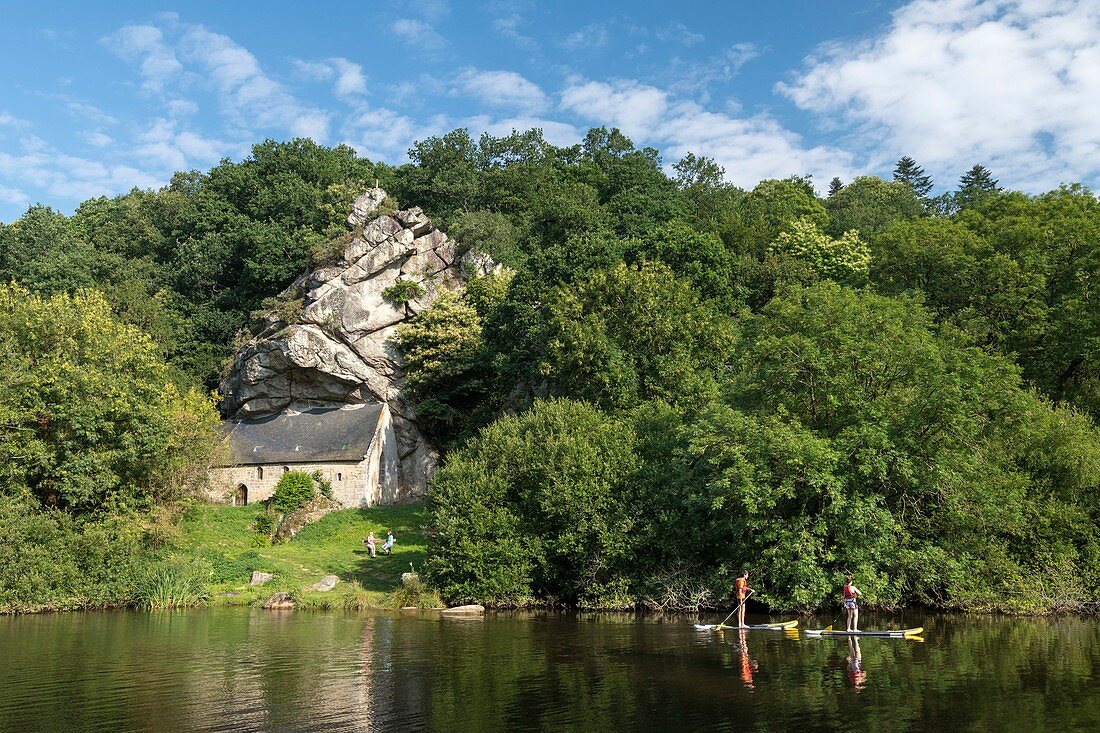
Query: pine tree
834, 186
975, 184
907, 171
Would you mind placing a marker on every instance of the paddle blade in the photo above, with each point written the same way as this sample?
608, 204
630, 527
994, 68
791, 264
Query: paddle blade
828, 628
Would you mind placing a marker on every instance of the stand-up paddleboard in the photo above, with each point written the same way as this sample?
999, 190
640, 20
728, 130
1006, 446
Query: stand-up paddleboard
894, 633
772, 627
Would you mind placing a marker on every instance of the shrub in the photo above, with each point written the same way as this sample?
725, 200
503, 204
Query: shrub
402, 292
294, 489
51, 561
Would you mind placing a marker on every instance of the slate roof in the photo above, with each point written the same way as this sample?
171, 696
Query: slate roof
310, 436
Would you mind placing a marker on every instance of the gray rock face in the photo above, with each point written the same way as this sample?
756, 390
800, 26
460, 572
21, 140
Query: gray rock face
259, 578
325, 584
280, 602
340, 348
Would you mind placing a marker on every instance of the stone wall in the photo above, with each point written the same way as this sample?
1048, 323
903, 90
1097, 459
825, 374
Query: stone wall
350, 481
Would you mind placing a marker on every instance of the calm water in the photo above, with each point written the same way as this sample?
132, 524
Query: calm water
242, 670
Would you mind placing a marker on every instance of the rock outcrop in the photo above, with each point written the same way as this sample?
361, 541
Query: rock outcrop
333, 343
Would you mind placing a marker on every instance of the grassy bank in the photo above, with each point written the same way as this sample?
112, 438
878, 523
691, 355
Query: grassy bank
221, 537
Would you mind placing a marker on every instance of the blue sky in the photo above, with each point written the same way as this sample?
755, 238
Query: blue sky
96, 98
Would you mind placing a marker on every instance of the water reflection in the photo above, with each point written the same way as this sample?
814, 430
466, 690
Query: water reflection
856, 673
247, 670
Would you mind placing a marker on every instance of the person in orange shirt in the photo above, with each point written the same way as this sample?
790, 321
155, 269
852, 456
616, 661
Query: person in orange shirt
741, 586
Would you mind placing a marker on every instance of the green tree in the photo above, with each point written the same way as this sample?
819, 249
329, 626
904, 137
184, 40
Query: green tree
532, 508
975, 186
908, 172
91, 420
634, 333
845, 259
871, 204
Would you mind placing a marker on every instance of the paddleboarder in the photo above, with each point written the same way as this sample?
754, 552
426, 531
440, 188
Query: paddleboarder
741, 586
851, 593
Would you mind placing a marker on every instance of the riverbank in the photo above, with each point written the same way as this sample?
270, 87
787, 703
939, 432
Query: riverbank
222, 537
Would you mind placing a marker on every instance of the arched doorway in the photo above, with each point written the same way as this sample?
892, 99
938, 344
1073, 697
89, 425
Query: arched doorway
240, 496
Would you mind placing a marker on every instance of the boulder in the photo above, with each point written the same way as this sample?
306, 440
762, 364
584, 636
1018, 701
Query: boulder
471, 610
325, 584
281, 601
364, 205
259, 578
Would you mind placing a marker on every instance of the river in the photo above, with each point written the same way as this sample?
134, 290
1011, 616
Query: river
251, 670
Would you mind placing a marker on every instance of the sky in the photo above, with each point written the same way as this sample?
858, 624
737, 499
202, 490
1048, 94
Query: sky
98, 98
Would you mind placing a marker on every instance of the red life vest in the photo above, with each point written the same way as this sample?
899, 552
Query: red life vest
848, 592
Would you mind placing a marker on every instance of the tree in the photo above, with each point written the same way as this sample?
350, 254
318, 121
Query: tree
908, 172
975, 186
870, 204
845, 259
630, 334
834, 186
533, 508
769, 208
90, 420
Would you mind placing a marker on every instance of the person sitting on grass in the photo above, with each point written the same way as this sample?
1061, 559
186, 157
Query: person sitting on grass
369, 542
390, 542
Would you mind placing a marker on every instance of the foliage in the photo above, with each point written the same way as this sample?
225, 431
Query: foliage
632, 334
50, 560
870, 204
294, 490
403, 291
908, 172
77, 435
845, 259
530, 508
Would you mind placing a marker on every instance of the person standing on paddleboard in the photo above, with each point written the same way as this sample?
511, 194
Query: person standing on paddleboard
741, 586
851, 592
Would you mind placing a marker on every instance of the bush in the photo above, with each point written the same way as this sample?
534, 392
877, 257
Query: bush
402, 292
294, 489
50, 561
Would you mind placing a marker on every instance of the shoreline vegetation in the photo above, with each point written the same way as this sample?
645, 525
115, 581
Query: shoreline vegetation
672, 379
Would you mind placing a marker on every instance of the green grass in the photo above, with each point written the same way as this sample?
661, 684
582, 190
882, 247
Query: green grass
221, 536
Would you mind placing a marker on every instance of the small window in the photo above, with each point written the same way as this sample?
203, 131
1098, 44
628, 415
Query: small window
260, 472
339, 477
286, 469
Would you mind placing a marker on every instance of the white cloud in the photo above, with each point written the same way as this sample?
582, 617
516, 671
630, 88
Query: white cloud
248, 95
556, 132
1014, 84
96, 139
349, 76
175, 150
69, 177
13, 196
509, 27
430, 9
592, 35
145, 43
11, 120
679, 33
418, 33
502, 89
634, 108
750, 148
181, 107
